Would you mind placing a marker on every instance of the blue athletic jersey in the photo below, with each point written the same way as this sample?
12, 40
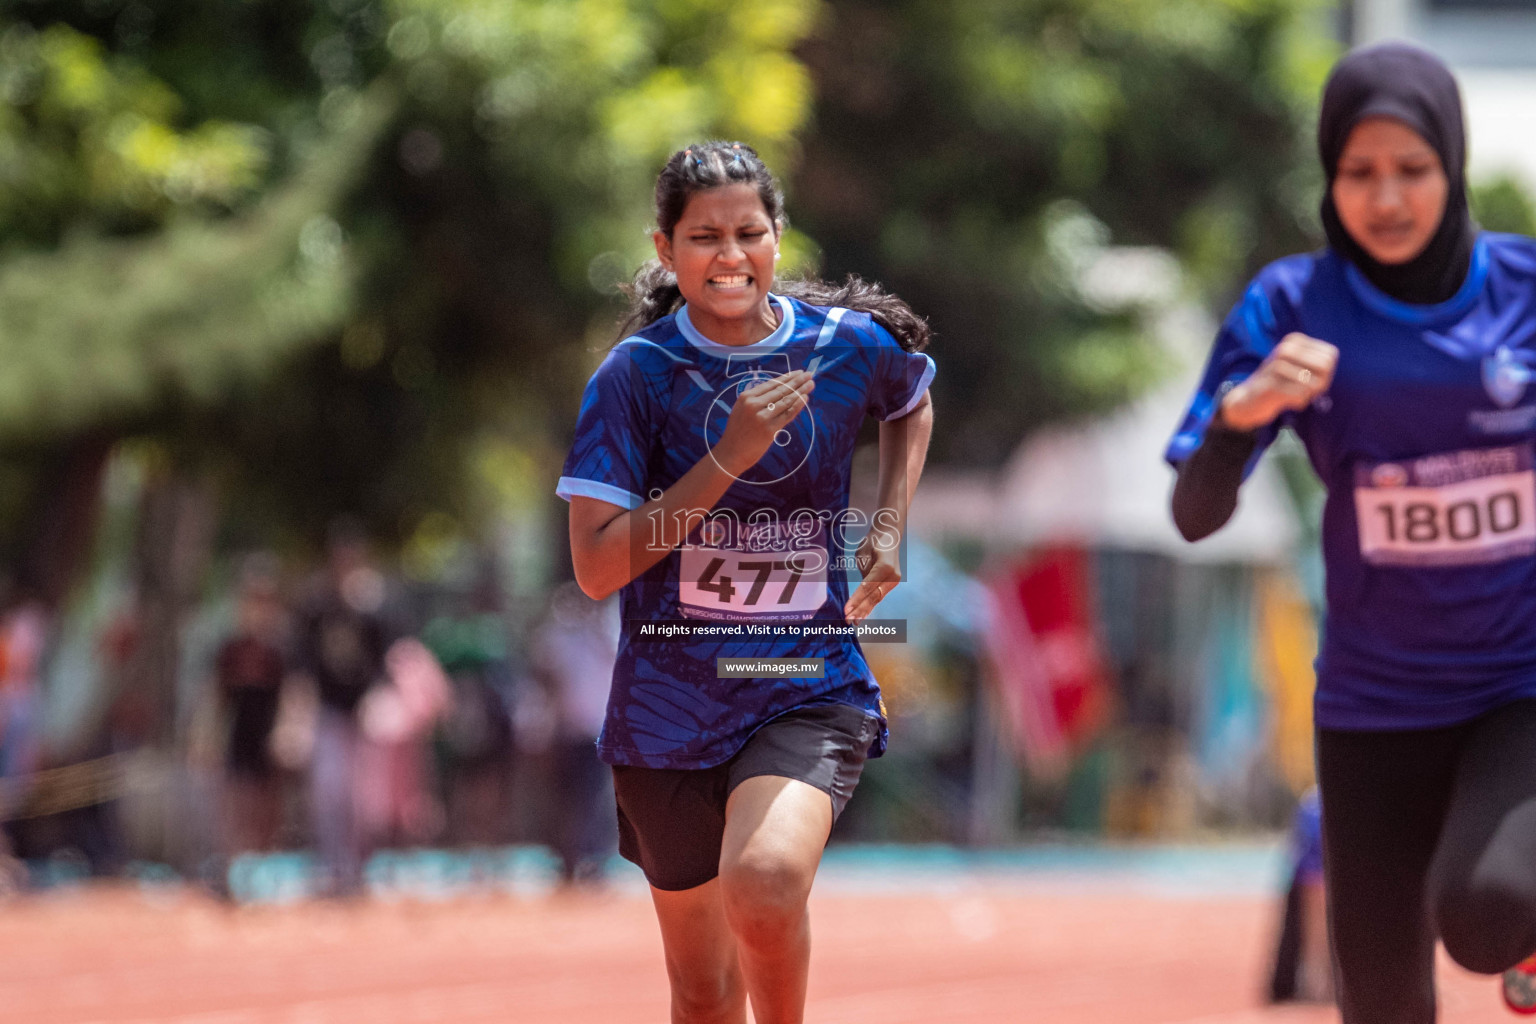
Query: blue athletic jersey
1424, 442
768, 554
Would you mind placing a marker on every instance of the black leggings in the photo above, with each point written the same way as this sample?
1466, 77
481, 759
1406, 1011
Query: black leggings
1428, 832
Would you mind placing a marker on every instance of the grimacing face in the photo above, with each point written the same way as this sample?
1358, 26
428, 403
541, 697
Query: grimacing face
1390, 190
722, 250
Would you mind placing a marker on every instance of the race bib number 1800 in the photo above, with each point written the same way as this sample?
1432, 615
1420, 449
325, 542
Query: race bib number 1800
752, 572
1456, 508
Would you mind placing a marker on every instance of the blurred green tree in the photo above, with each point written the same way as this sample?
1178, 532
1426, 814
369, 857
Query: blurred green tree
87, 137
977, 157
1502, 203
346, 255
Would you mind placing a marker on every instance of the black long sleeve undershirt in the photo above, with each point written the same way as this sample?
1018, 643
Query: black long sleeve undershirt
1205, 494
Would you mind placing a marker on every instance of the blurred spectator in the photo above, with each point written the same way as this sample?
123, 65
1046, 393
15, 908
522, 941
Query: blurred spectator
476, 742
250, 667
1303, 958
341, 639
573, 655
23, 633
395, 803
122, 721
71, 817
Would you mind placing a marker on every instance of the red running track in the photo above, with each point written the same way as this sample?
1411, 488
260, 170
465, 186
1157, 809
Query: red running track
967, 957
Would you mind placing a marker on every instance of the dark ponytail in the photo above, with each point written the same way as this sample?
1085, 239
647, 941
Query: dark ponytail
654, 293
889, 311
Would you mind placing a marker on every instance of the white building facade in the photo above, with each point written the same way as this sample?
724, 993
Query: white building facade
1491, 45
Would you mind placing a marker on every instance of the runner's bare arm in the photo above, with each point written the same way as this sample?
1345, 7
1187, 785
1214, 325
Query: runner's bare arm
611, 545
903, 452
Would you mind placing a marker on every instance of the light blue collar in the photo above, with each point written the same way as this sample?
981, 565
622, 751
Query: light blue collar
1414, 314
780, 335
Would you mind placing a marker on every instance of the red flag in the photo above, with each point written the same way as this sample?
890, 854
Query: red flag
1046, 657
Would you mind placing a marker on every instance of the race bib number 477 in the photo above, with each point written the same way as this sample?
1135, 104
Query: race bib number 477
754, 572
1456, 508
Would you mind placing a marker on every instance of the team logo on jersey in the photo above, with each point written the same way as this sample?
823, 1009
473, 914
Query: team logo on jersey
713, 533
1389, 474
1505, 375
750, 371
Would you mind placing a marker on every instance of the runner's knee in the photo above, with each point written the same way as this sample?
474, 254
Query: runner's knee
765, 898
1487, 924
706, 996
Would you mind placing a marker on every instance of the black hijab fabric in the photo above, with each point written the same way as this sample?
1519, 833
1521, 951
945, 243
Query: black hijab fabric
1410, 85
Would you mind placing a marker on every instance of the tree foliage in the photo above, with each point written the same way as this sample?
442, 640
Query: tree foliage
92, 139
1503, 204
117, 330
420, 251
978, 156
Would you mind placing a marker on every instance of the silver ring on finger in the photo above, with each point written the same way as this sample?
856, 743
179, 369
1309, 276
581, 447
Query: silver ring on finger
1304, 377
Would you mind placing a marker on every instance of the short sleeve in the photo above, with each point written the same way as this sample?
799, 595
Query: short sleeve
611, 452
901, 377
1248, 334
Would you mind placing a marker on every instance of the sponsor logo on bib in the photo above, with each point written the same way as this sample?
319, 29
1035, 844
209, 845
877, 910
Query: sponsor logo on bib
713, 533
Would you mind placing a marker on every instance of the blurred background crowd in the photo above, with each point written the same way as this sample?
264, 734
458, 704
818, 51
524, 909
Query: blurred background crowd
297, 298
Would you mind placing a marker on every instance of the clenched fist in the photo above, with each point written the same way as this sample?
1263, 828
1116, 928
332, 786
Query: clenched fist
1291, 377
757, 417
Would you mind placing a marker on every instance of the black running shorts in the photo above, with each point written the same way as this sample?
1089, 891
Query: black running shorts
671, 821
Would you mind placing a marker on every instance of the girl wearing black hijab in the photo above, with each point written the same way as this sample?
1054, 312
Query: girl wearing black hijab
1401, 357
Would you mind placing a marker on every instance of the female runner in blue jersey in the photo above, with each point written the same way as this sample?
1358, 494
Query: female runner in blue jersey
1401, 357
708, 484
